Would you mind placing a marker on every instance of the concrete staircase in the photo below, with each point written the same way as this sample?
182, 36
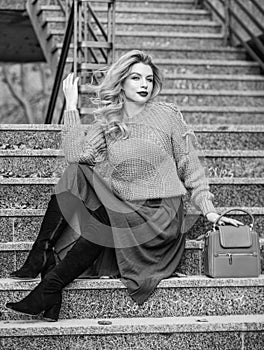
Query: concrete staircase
221, 94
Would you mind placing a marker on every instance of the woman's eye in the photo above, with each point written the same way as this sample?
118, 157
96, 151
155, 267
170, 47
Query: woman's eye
150, 80
135, 78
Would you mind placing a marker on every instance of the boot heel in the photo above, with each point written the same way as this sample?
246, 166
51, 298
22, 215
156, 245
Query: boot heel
52, 314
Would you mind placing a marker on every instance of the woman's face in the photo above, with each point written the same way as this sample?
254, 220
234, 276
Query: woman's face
138, 85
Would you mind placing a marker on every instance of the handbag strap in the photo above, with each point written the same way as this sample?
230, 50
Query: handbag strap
235, 209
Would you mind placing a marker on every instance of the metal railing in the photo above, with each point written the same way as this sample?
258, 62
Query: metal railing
90, 43
235, 24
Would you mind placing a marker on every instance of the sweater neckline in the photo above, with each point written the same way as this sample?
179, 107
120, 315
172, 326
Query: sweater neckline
139, 115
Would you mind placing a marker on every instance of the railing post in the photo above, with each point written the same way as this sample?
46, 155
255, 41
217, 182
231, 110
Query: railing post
113, 29
198, 3
75, 37
227, 31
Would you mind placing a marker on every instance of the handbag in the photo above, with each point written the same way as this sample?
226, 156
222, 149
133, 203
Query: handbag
231, 251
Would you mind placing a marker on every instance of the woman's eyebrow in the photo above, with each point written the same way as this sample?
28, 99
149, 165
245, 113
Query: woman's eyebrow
150, 75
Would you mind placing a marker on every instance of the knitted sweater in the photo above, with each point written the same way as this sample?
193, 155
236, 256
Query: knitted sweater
157, 160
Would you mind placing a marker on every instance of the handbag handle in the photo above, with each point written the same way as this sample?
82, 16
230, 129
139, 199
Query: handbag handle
235, 209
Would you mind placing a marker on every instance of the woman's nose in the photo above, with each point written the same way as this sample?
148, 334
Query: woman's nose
144, 83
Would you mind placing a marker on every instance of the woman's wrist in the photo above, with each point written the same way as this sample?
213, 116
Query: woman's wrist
71, 108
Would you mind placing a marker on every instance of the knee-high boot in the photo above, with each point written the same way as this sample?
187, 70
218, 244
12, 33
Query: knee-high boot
41, 256
47, 295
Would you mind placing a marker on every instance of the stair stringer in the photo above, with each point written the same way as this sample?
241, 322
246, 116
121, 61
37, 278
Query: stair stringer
43, 36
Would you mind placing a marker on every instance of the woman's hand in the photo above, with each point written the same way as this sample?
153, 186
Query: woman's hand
212, 217
70, 89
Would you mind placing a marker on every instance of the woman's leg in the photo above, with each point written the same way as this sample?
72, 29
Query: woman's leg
41, 258
47, 295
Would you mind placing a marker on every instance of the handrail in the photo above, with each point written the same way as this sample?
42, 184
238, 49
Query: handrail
87, 46
60, 68
230, 18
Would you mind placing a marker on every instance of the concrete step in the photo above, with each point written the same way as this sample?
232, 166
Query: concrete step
232, 332
49, 11
197, 66
157, 13
175, 52
24, 193
201, 97
154, 39
18, 225
148, 25
222, 136
14, 254
174, 297
234, 115
152, 4
50, 163
214, 82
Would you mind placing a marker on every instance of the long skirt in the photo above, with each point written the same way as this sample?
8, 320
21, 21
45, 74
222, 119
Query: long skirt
143, 241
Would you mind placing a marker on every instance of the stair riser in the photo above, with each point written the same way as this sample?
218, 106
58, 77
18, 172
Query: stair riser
50, 13
19, 139
137, 15
37, 196
151, 5
199, 100
205, 84
30, 139
164, 41
155, 27
188, 341
232, 118
209, 69
164, 302
212, 68
53, 167
179, 54
191, 263
168, 28
19, 229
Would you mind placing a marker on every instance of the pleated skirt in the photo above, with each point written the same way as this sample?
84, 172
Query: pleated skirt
142, 240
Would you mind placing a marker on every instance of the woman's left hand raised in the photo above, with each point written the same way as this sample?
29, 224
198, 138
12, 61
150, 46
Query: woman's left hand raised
70, 89
212, 217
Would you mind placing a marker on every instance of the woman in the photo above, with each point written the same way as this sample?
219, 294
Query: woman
129, 225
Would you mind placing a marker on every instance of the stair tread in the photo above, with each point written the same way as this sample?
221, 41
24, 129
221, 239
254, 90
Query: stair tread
155, 34
206, 92
40, 212
58, 153
240, 109
149, 21
155, 10
196, 127
229, 77
26, 245
182, 48
210, 62
214, 92
170, 48
52, 181
173, 282
164, 325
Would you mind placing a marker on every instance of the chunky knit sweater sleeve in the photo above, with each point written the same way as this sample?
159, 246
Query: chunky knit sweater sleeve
82, 143
190, 169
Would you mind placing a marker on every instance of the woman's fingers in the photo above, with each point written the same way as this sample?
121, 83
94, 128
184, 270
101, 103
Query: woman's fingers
230, 221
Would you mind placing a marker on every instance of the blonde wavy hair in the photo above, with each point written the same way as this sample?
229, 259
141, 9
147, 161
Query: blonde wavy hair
109, 93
